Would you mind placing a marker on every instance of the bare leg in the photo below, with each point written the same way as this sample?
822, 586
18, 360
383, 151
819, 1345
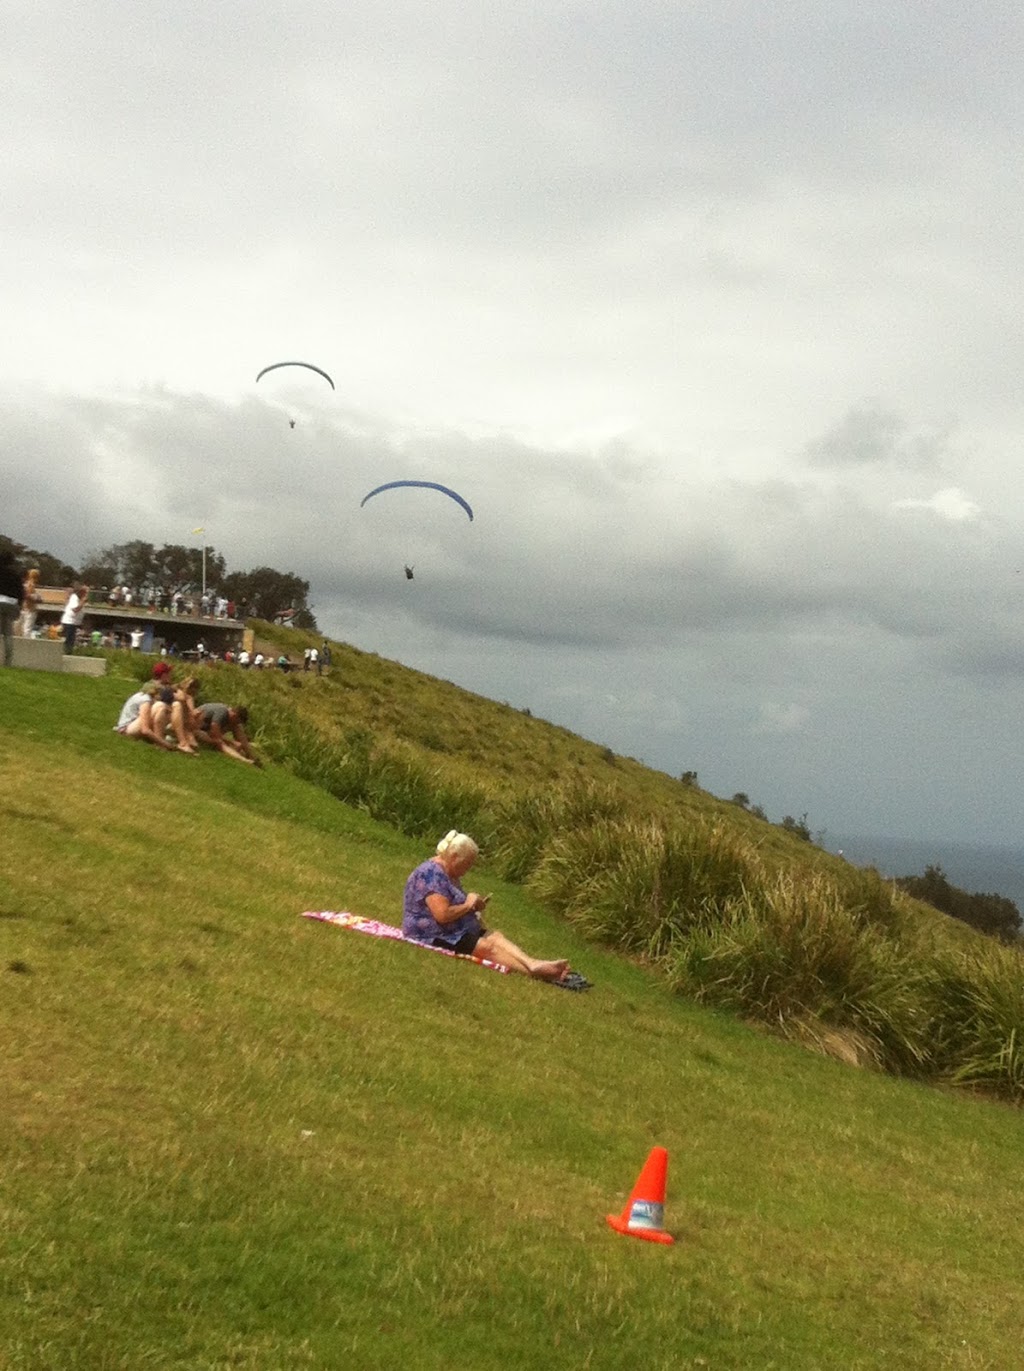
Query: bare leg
229, 751
161, 725
151, 733
180, 725
497, 948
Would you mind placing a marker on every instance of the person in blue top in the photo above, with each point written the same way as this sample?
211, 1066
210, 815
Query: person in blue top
436, 910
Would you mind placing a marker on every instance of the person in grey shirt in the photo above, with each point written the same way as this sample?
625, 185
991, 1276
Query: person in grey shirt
213, 721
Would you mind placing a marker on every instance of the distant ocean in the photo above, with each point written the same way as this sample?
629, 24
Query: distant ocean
972, 867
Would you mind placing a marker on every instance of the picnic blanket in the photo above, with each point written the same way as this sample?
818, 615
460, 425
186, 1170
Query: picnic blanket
376, 929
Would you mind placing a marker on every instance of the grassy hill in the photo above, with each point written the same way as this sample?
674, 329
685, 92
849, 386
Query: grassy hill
234, 1138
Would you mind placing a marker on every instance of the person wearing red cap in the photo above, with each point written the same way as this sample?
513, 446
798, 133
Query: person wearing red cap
162, 671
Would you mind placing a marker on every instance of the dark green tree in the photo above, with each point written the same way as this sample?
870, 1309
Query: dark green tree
99, 570
264, 593
52, 570
798, 827
183, 566
992, 914
140, 564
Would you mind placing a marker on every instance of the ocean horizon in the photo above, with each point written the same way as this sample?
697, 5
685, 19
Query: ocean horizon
977, 868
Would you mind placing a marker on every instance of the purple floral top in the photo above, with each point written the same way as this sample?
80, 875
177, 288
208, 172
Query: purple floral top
430, 878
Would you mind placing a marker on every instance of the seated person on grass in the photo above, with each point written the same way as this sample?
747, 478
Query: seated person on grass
213, 721
437, 911
147, 717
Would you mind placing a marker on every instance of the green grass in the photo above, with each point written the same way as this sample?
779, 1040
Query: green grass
234, 1138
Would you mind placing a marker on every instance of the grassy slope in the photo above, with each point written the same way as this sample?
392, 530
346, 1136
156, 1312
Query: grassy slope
466, 736
234, 1138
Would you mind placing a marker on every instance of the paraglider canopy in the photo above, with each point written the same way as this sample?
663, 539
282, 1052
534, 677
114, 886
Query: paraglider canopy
308, 365
424, 485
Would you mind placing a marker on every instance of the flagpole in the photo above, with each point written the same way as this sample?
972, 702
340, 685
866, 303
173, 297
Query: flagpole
203, 532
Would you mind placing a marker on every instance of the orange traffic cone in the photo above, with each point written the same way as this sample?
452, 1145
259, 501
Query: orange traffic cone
645, 1209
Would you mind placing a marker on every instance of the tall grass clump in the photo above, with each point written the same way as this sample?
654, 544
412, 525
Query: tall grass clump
396, 789
793, 953
642, 886
522, 824
977, 1012
413, 798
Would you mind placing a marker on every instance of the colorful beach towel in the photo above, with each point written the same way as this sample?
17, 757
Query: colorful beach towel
343, 919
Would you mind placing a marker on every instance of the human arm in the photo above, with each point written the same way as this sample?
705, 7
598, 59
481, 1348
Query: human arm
444, 911
242, 740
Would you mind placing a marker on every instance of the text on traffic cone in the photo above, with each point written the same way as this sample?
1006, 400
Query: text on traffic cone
643, 1216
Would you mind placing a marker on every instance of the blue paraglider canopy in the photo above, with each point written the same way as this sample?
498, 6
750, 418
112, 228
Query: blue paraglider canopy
426, 485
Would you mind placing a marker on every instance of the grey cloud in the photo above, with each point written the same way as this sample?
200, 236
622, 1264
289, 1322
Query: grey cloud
872, 434
611, 552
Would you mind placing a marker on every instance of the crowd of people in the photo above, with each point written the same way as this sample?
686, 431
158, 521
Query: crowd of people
20, 600
170, 715
207, 604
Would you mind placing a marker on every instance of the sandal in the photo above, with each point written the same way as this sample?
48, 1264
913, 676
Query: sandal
572, 980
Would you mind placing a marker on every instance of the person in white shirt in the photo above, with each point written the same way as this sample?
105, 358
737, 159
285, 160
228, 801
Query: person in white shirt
74, 613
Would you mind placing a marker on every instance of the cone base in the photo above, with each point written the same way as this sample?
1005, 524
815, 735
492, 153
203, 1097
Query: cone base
621, 1225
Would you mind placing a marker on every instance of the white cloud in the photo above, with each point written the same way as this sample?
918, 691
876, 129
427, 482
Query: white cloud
949, 503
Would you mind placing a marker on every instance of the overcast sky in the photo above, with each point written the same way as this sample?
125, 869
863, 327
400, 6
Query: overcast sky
711, 311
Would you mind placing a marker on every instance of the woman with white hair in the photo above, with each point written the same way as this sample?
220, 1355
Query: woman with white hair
436, 910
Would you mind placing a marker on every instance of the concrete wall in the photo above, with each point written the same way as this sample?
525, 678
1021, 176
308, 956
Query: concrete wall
45, 654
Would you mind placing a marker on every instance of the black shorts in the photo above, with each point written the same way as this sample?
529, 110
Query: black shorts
466, 944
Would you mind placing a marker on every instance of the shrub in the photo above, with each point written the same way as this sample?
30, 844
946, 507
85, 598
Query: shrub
791, 951
977, 1010
521, 824
641, 886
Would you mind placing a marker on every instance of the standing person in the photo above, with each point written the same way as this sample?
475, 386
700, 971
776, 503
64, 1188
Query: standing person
30, 599
74, 613
436, 910
10, 602
314, 660
305, 659
325, 653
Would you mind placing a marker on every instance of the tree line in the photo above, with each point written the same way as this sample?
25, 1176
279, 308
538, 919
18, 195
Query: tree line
995, 915
261, 593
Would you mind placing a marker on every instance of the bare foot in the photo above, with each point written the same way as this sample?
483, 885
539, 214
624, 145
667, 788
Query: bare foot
549, 971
